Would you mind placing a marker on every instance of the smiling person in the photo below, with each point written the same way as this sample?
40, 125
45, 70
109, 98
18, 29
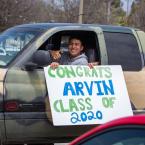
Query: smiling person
74, 56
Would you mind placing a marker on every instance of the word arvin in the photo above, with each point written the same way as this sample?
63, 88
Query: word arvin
99, 88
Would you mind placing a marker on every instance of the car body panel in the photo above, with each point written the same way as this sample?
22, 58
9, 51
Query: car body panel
135, 79
135, 86
29, 90
141, 36
2, 123
131, 120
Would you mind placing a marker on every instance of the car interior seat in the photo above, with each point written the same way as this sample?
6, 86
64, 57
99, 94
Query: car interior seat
91, 54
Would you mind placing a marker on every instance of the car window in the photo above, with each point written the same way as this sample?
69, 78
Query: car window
122, 49
124, 136
60, 41
12, 42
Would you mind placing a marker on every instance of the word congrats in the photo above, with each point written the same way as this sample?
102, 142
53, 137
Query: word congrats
80, 95
79, 71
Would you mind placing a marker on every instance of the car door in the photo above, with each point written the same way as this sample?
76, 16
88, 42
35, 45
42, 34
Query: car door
24, 103
26, 97
2, 124
124, 49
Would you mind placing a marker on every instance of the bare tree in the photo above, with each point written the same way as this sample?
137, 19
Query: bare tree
137, 15
102, 11
15, 12
67, 10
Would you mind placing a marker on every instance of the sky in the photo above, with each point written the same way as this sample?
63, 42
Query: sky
125, 4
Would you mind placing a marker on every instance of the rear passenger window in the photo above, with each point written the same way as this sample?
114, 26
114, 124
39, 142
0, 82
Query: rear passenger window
122, 49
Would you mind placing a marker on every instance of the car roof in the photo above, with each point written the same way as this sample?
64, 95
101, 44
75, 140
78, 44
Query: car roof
131, 120
110, 28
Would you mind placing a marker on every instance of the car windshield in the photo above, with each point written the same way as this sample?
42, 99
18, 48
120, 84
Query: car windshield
124, 136
13, 41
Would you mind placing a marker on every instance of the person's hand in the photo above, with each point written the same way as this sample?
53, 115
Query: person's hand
54, 65
92, 64
55, 54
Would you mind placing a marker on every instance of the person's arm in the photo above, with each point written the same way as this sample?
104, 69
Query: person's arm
55, 54
54, 65
92, 64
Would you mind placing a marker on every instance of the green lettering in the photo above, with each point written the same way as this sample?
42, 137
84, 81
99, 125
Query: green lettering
100, 71
108, 72
62, 107
72, 105
87, 71
88, 102
111, 101
55, 105
82, 106
79, 71
105, 102
50, 70
60, 72
94, 72
70, 72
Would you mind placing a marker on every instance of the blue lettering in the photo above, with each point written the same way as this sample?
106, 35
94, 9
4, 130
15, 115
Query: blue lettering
100, 93
89, 88
108, 89
68, 87
79, 88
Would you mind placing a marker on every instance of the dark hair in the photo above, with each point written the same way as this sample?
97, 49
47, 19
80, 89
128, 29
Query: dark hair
76, 37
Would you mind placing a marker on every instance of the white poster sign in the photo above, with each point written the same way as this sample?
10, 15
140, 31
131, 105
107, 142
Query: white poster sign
79, 95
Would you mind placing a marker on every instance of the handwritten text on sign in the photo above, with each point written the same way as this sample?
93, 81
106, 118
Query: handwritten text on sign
79, 95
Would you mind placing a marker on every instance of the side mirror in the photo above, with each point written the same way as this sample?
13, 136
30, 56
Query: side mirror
30, 66
41, 58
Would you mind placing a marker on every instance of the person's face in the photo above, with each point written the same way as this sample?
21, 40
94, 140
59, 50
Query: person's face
75, 47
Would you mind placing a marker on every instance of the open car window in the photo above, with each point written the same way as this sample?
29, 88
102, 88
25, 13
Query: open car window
60, 40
